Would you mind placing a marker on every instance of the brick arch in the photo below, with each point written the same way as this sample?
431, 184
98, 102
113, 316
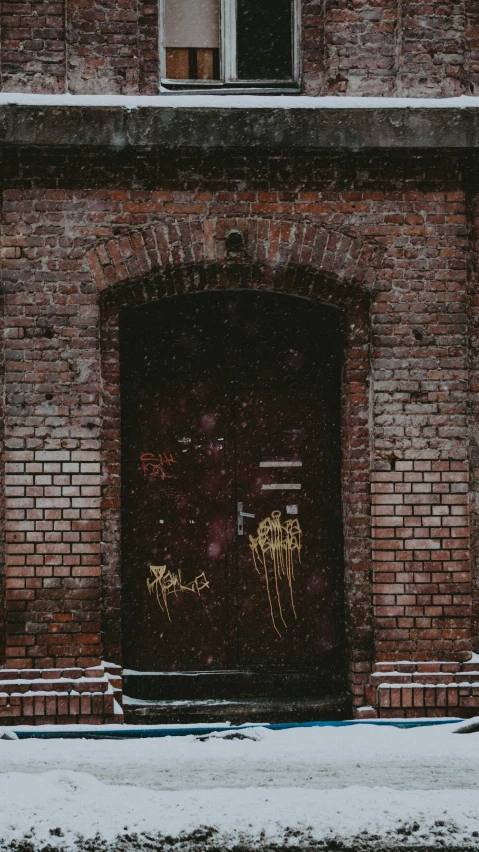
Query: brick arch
274, 244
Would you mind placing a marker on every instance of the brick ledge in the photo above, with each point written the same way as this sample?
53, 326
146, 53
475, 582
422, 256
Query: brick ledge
61, 696
430, 688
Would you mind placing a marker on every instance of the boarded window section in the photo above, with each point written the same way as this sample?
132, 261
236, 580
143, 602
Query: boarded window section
192, 39
264, 39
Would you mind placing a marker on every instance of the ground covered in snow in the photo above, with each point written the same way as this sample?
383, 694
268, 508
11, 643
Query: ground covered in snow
351, 788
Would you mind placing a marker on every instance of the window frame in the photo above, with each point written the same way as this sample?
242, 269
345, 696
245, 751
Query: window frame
228, 62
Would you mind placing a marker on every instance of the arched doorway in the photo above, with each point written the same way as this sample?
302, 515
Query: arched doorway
232, 546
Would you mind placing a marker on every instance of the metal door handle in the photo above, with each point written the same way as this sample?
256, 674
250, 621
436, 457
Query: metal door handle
240, 516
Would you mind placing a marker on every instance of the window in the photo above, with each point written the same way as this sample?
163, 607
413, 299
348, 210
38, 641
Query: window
229, 43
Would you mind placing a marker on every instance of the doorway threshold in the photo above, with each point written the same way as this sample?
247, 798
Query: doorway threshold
156, 712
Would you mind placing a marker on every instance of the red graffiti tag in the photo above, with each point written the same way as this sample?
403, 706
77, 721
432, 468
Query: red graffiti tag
158, 465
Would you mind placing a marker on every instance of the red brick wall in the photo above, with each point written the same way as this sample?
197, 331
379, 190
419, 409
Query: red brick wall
474, 426
432, 48
33, 47
112, 47
102, 47
406, 429
471, 70
421, 555
52, 464
366, 47
421, 435
361, 47
148, 58
313, 46
2, 491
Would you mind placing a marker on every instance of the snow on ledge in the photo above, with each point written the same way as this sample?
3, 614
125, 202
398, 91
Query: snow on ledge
220, 101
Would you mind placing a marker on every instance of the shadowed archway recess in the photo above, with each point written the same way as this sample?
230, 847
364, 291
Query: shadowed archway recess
292, 257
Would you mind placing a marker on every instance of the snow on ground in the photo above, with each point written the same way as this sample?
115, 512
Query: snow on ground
363, 787
317, 758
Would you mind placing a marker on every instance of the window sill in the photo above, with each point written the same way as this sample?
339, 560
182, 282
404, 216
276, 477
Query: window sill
215, 87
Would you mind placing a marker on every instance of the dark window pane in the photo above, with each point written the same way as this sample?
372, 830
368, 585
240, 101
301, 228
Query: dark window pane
264, 43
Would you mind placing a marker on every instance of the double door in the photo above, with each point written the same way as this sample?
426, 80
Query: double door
232, 555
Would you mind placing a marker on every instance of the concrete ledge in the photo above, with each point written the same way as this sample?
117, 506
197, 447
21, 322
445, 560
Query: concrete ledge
184, 127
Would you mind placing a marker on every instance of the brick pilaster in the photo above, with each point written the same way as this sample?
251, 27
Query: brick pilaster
422, 573
52, 552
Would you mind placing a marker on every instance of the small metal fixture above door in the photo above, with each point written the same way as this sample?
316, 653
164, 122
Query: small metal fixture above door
282, 486
281, 463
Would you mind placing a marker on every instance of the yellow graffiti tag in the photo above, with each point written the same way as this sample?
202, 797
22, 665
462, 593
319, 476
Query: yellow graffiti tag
165, 583
274, 548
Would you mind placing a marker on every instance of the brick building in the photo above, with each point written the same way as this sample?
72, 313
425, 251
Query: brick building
358, 217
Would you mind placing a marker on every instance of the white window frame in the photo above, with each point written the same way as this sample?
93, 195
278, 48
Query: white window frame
228, 71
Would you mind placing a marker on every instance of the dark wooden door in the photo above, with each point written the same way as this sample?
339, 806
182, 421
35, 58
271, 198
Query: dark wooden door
287, 442
230, 408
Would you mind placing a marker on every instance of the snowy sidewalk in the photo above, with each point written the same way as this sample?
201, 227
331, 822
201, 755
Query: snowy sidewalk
364, 787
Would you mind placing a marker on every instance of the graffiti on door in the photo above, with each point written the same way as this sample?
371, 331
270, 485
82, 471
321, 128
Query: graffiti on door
274, 550
164, 583
158, 465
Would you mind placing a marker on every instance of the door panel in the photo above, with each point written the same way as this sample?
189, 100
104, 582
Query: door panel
288, 476
174, 490
232, 398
